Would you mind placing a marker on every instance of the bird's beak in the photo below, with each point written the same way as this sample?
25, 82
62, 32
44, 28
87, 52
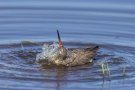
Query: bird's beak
60, 42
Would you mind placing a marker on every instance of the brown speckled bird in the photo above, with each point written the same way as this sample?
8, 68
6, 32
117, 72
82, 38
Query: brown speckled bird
75, 56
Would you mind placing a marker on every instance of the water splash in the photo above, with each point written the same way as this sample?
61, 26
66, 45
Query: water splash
48, 51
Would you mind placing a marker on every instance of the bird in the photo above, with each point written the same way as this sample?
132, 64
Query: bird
61, 56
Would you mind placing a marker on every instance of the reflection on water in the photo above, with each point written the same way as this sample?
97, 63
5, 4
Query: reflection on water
107, 23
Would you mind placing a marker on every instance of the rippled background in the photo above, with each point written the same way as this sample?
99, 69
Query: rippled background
107, 23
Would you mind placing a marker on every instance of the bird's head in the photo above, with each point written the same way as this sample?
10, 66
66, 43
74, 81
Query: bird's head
63, 51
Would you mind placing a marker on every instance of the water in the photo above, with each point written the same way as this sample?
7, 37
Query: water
48, 52
107, 23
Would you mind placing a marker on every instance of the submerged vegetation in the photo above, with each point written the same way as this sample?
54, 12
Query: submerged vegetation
106, 70
124, 70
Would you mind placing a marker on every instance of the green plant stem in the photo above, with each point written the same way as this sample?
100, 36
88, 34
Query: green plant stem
124, 70
103, 69
108, 69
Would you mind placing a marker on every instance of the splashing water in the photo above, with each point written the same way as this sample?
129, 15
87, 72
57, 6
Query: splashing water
48, 52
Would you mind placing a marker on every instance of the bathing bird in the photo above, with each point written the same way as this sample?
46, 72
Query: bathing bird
68, 56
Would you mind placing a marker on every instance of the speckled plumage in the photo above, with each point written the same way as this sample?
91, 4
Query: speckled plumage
59, 55
74, 57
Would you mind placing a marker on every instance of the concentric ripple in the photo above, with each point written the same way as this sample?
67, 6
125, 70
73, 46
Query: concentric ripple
18, 69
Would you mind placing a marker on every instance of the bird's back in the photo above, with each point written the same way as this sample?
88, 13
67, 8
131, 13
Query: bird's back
79, 56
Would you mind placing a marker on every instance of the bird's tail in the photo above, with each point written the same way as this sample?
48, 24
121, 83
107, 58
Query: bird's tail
93, 49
